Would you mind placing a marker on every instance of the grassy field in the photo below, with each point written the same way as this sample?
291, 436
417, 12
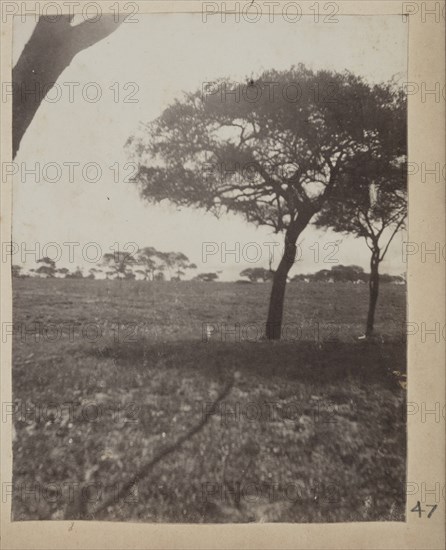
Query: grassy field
108, 373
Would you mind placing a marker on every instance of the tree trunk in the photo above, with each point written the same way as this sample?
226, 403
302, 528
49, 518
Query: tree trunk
276, 301
47, 54
373, 292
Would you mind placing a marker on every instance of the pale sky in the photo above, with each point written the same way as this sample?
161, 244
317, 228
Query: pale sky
165, 55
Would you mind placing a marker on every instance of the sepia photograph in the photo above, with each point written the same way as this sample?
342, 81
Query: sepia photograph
209, 258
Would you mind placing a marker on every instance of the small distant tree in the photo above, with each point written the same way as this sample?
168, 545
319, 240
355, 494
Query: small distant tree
180, 262
92, 272
63, 271
48, 267
143, 273
386, 278
347, 273
160, 272
167, 261
176, 262
206, 277
322, 276
300, 277
118, 264
147, 260
256, 274
15, 270
77, 274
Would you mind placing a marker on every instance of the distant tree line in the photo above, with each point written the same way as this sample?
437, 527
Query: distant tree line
345, 274
152, 265
148, 263
337, 274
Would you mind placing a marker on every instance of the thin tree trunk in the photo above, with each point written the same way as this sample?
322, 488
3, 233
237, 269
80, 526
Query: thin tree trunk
277, 298
373, 292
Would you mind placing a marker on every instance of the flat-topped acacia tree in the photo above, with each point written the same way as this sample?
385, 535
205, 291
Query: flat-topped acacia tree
273, 151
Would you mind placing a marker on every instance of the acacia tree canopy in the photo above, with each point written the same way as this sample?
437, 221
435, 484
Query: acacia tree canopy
257, 273
267, 159
274, 160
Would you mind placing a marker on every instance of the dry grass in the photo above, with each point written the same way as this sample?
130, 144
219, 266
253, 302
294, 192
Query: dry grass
314, 429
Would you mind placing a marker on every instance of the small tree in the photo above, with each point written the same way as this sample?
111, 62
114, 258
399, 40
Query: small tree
77, 274
92, 272
118, 264
167, 261
299, 277
206, 277
371, 200
256, 274
63, 271
48, 267
347, 273
322, 276
143, 273
177, 262
180, 262
147, 259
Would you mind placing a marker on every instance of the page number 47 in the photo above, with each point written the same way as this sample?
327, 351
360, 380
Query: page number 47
420, 511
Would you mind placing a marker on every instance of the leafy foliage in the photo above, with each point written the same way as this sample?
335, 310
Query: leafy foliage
344, 274
255, 274
270, 160
48, 267
371, 195
206, 277
119, 263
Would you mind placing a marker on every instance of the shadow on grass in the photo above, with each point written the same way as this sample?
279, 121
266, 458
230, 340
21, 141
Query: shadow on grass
367, 362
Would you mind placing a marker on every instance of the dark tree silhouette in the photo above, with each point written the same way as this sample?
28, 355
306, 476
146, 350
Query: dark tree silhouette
255, 274
63, 271
206, 277
76, 274
347, 273
47, 268
277, 162
371, 199
118, 263
180, 262
49, 51
147, 262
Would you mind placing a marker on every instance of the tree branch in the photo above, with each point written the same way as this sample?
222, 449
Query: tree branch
49, 51
395, 231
